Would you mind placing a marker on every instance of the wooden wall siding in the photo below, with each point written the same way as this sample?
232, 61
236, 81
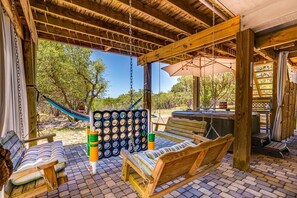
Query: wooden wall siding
243, 100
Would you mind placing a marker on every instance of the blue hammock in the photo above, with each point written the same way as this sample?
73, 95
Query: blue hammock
76, 114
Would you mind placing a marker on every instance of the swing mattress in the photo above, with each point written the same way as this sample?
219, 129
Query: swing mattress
223, 121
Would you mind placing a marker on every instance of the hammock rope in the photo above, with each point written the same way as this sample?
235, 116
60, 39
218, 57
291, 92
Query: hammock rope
76, 114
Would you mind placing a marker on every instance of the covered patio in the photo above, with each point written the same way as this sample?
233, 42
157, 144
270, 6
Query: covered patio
269, 177
260, 36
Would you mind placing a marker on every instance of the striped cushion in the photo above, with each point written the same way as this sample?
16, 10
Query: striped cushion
182, 145
40, 154
12, 143
157, 153
146, 163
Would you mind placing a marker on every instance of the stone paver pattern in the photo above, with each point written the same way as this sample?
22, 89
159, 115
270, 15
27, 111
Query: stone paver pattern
269, 177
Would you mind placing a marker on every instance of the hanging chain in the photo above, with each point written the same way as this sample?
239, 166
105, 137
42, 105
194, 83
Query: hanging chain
18, 78
130, 52
213, 56
131, 72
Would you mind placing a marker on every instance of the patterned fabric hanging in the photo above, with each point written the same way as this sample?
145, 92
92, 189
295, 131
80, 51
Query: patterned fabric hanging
6, 166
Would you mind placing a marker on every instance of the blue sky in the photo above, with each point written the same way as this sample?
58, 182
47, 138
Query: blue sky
118, 74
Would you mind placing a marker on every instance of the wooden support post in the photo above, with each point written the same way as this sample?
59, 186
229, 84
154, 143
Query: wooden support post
274, 93
147, 104
243, 101
196, 93
29, 51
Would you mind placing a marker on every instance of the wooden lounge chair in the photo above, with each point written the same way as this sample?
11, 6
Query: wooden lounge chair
190, 163
32, 180
180, 129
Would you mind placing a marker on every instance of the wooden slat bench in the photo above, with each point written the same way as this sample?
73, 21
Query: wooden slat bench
191, 163
50, 179
180, 129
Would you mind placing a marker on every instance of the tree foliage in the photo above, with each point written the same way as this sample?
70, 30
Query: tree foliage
67, 74
222, 87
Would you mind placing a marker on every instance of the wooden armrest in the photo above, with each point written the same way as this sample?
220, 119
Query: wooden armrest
157, 125
33, 169
50, 138
136, 166
198, 139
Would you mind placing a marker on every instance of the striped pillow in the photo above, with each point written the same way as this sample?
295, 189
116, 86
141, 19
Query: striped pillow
145, 162
182, 145
40, 154
157, 153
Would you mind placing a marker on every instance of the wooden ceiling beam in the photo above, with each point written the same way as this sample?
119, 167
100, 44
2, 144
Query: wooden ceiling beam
64, 13
268, 54
225, 50
102, 12
73, 41
12, 14
84, 38
280, 37
217, 34
25, 4
90, 31
185, 7
146, 9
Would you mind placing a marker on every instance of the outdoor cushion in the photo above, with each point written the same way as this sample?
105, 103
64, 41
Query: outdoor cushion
146, 163
174, 136
40, 154
177, 147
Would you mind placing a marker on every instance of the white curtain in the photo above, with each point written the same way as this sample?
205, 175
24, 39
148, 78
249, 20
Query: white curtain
281, 82
13, 95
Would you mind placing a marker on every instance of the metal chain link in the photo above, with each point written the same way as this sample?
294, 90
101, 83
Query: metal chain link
18, 79
130, 52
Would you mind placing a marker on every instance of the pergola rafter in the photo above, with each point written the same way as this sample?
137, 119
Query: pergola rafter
64, 13
163, 18
90, 31
92, 9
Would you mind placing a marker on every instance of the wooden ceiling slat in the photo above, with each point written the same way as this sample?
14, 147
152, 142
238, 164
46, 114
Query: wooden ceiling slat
101, 11
138, 5
68, 25
184, 6
84, 38
73, 41
65, 13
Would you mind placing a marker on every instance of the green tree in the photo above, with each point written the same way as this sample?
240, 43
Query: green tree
221, 87
67, 74
182, 91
